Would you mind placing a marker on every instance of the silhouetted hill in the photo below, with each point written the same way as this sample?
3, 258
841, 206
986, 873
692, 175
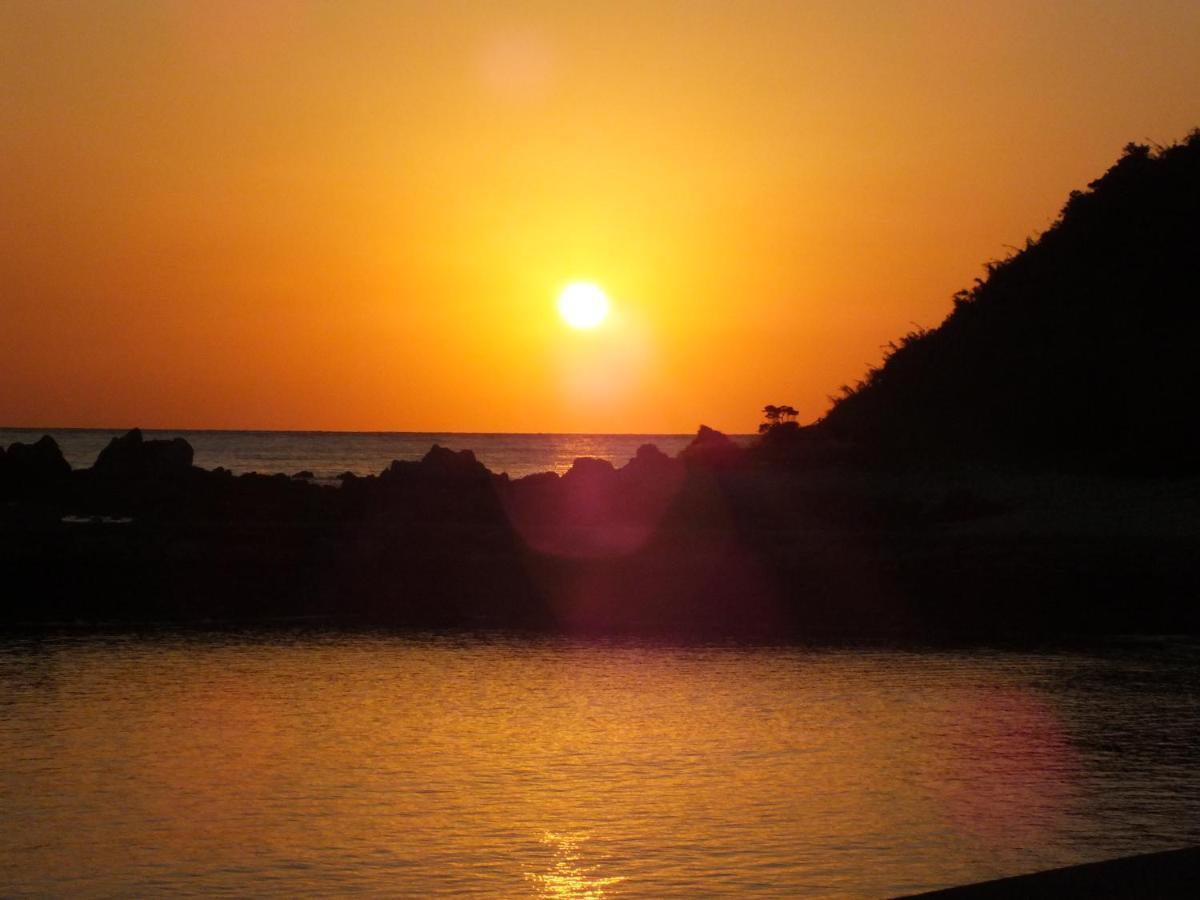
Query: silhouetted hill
1077, 351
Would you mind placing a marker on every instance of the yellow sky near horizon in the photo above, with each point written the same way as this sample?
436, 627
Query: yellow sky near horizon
358, 215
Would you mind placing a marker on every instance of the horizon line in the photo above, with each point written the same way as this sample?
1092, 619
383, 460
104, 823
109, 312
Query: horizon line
126, 429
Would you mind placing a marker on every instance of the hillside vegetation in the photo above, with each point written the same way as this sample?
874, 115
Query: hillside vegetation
1078, 351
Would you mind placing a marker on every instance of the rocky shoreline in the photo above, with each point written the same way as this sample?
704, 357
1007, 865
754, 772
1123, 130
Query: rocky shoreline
796, 536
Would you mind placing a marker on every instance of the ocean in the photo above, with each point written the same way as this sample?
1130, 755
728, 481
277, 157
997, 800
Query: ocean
422, 765
327, 454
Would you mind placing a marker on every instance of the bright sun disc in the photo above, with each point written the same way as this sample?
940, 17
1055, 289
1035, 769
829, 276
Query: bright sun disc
582, 304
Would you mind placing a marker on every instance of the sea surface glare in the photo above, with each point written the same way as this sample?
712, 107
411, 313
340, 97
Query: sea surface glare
342, 764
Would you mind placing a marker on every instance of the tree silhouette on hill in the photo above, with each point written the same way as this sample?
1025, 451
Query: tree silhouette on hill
777, 415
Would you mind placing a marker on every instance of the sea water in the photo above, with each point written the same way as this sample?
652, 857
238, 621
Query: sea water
498, 765
329, 453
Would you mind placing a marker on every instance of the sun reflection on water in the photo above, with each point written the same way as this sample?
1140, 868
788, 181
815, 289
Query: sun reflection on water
568, 876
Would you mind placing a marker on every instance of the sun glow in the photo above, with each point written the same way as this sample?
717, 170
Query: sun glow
582, 304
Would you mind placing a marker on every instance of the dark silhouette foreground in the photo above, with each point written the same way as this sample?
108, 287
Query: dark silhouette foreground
1028, 468
1077, 351
789, 538
1163, 876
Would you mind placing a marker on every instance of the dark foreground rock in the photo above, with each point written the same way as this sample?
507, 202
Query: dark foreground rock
723, 540
1172, 874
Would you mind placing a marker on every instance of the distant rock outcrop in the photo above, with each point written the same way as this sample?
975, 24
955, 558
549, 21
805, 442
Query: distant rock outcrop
711, 449
649, 461
440, 464
24, 467
587, 470
132, 458
443, 462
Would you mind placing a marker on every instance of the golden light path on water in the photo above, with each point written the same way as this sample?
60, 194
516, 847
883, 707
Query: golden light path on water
570, 877
493, 765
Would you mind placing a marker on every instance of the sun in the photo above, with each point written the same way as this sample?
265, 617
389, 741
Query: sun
582, 304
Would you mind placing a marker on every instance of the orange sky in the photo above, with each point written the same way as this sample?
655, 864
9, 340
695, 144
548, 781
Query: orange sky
353, 215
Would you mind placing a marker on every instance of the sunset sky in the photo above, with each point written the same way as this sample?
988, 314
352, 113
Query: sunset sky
358, 215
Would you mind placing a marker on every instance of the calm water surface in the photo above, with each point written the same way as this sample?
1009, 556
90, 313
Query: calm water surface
343, 764
329, 453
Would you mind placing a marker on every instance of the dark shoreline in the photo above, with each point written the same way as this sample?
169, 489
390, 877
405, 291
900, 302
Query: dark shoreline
1167, 874
794, 538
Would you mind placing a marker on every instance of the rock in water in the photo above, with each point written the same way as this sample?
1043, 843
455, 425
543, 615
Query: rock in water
33, 465
131, 458
711, 449
444, 463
